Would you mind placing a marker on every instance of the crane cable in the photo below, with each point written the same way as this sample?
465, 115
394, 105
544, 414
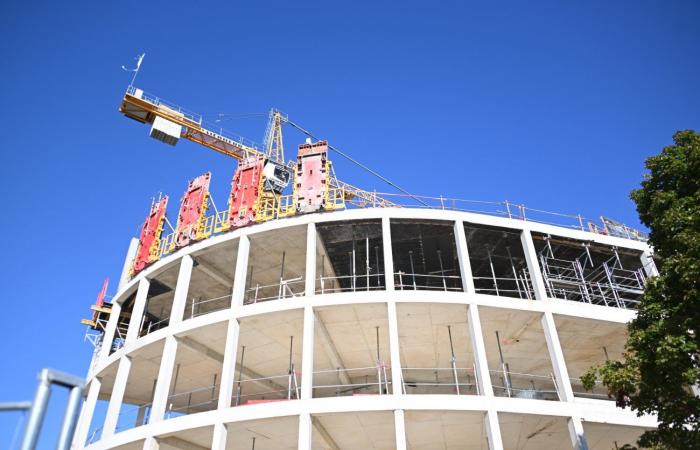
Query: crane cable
359, 164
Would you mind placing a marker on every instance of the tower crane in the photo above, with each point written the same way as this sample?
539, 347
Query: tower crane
171, 122
257, 189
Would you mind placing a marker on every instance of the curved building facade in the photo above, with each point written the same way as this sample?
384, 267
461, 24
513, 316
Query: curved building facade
370, 329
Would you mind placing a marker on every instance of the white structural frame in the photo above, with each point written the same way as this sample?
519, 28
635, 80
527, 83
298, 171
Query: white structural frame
574, 410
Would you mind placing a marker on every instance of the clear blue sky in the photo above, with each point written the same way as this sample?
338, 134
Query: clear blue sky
554, 104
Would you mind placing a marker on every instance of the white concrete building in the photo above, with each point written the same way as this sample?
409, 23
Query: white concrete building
391, 328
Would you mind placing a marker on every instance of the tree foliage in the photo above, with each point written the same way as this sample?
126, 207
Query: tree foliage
661, 364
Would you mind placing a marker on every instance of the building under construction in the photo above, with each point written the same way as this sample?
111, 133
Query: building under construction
311, 314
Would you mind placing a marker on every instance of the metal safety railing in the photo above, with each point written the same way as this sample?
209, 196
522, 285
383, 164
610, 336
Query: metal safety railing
507, 383
597, 392
269, 388
520, 287
350, 283
199, 307
439, 380
427, 281
196, 400
285, 288
352, 381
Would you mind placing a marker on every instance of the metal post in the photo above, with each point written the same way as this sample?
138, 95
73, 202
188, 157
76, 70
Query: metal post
454, 360
367, 260
493, 272
70, 418
36, 414
279, 294
291, 368
240, 374
442, 270
413, 270
504, 368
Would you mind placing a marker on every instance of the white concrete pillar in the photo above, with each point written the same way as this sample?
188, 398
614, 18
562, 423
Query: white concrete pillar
310, 285
561, 374
239, 277
578, 438
481, 365
151, 443
83, 427
181, 289
115, 401
137, 313
307, 354
649, 265
465, 265
130, 254
228, 371
220, 436
388, 254
165, 375
533, 265
493, 430
400, 429
394, 353
110, 331
305, 431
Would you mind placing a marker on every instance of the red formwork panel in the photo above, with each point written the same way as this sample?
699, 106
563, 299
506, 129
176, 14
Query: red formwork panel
311, 183
192, 209
150, 236
245, 189
103, 293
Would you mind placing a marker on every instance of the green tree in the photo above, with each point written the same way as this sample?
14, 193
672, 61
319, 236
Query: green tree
661, 364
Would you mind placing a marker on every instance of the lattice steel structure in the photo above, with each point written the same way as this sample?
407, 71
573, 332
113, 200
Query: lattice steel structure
374, 328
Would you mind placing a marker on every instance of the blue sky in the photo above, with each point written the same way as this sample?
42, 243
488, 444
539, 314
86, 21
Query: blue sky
553, 104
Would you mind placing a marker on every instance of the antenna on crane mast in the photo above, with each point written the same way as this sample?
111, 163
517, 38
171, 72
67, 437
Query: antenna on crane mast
139, 60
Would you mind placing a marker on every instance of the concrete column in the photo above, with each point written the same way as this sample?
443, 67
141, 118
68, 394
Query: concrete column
307, 354
400, 429
130, 254
649, 265
110, 331
165, 374
181, 288
493, 430
220, 436
88, 410
388, 254
310, 287
481, 365
151, 443
561, 374
578, 438
115, 401
137, 313
533, 266
395, 355
228, 371
239, 278
465, 265
305, 431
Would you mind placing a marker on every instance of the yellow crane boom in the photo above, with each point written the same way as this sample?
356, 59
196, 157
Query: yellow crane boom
146, 108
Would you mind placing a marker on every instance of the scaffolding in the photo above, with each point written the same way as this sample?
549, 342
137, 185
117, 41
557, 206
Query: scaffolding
593, 276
